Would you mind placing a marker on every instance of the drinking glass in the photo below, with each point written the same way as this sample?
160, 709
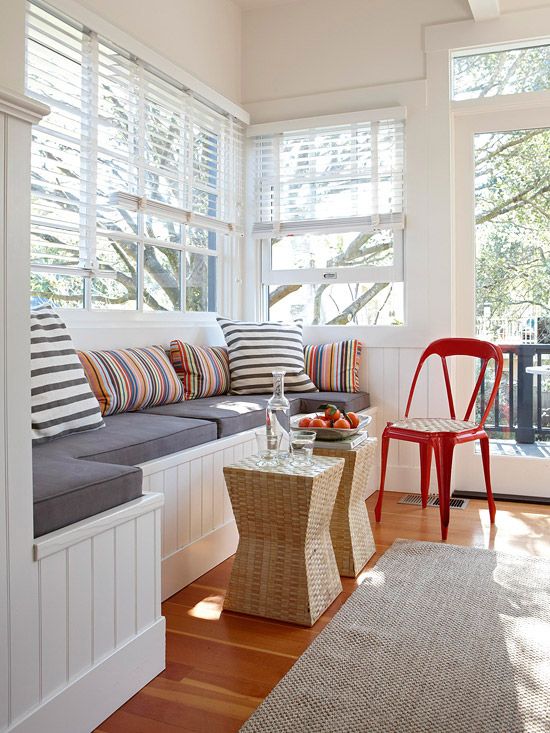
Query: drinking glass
301, 443
268, 448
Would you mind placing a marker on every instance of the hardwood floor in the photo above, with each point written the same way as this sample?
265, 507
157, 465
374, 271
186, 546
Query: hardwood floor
220, 666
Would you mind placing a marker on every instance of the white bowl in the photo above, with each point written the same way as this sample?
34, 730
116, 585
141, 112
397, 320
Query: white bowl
331, 433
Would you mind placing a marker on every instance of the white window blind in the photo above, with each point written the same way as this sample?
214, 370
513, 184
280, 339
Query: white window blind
128, 160
338, 177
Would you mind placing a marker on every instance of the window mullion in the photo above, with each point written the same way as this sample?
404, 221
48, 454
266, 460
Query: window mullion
88, 160
375, 174
141, 132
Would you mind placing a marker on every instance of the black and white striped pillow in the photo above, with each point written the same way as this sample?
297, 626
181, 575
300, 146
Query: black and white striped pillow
62, 401
256, 349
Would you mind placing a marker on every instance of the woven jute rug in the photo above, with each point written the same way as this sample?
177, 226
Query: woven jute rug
437, 639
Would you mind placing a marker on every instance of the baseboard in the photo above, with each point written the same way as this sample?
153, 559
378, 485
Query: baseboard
192, 561
545, 500
93, 697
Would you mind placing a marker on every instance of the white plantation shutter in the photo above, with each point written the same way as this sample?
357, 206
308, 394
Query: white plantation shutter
335, 177
122, 147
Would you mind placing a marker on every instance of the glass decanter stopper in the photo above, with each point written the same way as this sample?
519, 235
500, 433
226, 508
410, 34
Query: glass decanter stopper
277, 416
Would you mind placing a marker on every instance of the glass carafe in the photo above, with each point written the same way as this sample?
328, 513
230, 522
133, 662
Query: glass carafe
277, 415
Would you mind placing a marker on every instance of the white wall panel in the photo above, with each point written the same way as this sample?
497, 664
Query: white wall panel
146, 602
183, 506
80, 608
103, 553
53, 623
125, 582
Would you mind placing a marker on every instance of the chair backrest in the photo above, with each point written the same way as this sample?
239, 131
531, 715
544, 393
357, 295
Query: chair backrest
475, 348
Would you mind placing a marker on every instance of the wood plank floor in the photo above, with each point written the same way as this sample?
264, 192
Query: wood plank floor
220, 666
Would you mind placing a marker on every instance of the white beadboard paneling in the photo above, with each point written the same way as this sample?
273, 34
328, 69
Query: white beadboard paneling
80, 607
145, 570
158, 566
103, 559
207, 490
53, 623
156, 484
125, 582
408, 360
219, 490
23, 572
195, 507
183, 506
228, 458
170, 512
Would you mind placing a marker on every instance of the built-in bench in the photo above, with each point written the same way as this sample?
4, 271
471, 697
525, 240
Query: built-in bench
82, 475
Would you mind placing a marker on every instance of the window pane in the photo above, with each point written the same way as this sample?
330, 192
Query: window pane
200, 282
365, 304
62, 291
119, 289
51, 246
501, 72
168, 231
351, 249
198, 237
162, 279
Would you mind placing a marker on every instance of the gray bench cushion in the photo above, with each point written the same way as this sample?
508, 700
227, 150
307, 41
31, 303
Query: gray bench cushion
132, 438
232, 414
68, 490
81, 475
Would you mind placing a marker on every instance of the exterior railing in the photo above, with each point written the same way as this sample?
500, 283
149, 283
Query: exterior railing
522, 405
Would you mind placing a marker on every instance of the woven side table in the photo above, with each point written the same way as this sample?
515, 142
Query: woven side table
285, 566
350, 527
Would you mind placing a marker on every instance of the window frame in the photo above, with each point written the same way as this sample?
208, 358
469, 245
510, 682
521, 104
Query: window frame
394, 273
227, 234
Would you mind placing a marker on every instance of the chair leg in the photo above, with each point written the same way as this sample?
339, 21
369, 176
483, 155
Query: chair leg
383, 464
485, 455
444, 461
426, 451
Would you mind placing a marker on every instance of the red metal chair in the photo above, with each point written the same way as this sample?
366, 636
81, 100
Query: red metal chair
440, 435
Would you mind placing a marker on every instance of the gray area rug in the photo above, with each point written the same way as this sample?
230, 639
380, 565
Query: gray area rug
438, 639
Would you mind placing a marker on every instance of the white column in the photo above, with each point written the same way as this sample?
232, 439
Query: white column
19, 629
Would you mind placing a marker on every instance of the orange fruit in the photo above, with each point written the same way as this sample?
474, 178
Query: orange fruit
332, 412
305, 422
353, 419
317, 423
341, 423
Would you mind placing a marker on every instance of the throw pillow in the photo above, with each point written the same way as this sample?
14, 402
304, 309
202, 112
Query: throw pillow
256, 349
61, 399
203, 370
334, 367
125, 380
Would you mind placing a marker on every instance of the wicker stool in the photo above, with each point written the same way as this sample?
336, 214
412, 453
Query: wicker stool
285, 566
350, 527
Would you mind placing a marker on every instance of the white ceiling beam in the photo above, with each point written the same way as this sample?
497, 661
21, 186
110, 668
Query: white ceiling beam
484, 9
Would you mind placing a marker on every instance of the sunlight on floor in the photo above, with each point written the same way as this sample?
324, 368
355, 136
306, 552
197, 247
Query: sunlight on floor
209, 609
372, 577
527, 533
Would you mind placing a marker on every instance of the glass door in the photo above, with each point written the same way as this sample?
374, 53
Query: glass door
502, 257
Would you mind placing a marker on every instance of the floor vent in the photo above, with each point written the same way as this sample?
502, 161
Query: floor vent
433, 500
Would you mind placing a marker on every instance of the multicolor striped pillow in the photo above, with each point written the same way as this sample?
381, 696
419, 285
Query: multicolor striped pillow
334, 367
203, 370
125, 380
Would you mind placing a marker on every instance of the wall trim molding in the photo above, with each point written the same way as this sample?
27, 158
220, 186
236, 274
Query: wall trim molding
24, 108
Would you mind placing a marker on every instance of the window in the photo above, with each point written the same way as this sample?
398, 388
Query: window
136, 184
329, 205
502, 71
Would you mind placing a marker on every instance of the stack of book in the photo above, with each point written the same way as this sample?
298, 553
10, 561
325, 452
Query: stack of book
346, 444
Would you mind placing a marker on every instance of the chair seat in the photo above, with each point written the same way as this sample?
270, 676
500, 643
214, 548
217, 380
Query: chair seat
435, 425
